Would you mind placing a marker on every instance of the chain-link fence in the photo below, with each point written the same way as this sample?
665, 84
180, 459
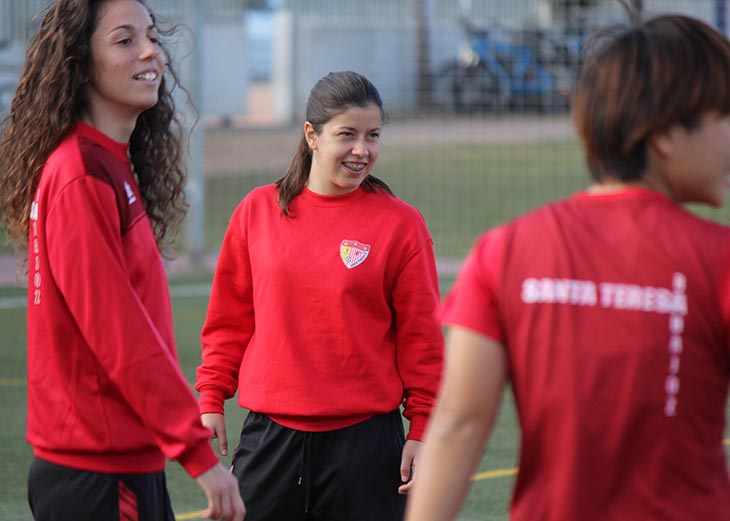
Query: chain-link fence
478, 92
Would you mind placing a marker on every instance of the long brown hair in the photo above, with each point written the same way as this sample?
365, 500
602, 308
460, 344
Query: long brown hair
50, 98
331, 96
641, 80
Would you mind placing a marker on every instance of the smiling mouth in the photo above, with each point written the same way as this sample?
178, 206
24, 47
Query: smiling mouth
147, 76
355, 167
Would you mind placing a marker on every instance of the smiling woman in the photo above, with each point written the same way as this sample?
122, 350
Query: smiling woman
92, 184
323, 317
344, 152
127, 69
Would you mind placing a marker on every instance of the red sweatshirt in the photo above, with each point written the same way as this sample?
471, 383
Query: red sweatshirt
325, 318
105, 391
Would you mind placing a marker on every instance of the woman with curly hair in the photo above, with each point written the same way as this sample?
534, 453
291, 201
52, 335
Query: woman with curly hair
91, 188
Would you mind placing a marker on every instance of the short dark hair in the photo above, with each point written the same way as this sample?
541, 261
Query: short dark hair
643, 79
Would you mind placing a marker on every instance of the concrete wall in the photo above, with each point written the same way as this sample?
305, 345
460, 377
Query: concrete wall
224, 68
308, 50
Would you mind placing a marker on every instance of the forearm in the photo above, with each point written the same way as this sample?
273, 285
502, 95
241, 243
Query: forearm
450, 455
468, 403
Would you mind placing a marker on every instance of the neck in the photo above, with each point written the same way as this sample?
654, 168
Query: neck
649, 181
117, 129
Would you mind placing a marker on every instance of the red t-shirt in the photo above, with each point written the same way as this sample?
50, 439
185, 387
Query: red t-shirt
614, 312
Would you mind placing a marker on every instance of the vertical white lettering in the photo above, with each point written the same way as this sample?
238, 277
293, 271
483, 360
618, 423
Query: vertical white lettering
674, 364
676, 324
679, 303
674, 302
672, 384
675, 344
679, 282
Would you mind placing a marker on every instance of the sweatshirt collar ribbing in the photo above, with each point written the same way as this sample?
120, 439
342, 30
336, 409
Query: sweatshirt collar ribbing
115, 147
309, 197
633, 192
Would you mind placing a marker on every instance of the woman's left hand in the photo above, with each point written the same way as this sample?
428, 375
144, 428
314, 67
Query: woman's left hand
408, 461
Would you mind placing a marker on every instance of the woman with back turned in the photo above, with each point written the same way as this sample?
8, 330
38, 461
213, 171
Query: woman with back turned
609, 312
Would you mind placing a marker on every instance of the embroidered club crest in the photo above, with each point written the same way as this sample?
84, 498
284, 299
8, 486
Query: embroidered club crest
353, 253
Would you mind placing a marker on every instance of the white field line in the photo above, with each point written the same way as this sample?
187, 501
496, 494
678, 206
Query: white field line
176, 291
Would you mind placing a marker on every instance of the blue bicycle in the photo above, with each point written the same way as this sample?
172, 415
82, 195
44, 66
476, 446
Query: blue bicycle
494, 72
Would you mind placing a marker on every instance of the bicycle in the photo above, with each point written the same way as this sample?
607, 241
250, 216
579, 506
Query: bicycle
494, 72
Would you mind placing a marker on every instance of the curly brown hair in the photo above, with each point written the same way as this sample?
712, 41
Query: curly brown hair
50, 98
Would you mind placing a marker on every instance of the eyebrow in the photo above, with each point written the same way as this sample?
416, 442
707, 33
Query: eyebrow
128, 27
344, 127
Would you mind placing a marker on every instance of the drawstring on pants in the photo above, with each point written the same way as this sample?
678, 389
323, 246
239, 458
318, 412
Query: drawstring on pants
304, 460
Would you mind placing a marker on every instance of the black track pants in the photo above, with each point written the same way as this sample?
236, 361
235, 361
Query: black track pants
57, 493
350, 474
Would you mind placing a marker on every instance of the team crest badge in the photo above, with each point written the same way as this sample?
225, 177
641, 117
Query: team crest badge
353, 253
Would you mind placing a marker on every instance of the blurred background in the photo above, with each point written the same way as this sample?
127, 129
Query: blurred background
478, 93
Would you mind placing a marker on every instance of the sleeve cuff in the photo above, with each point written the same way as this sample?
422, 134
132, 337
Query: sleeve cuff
198, 459
212, 400
417, 427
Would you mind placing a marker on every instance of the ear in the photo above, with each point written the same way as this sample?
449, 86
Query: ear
662, 143
310, 135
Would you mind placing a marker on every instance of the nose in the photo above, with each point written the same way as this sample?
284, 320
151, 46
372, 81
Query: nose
360, 148
150, 50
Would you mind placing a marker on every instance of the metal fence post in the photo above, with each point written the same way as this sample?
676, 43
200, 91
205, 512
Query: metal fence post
721, 16
196, 175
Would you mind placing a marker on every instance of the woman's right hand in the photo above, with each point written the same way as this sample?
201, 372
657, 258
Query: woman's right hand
224, 497
216, 422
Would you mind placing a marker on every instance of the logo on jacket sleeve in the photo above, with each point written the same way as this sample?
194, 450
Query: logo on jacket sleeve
353, 253
130, 193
